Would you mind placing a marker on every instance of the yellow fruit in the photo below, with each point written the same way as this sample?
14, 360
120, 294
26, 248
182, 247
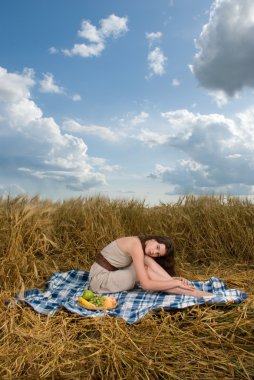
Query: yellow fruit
109, 303
86, 304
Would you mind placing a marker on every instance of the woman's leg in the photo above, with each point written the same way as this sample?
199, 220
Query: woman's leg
156, 272
156, 268
103, 281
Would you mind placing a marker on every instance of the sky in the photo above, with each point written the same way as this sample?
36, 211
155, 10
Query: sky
146, 100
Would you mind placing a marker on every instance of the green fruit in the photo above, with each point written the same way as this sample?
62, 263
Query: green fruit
97, 300
88, 294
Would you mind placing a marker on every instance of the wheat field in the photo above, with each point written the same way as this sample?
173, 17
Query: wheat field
213, 236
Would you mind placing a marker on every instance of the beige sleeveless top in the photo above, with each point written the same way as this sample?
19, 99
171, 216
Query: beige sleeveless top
115, 256
103, 281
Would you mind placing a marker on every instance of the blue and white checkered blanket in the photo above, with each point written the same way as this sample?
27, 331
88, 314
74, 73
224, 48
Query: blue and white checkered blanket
64, 288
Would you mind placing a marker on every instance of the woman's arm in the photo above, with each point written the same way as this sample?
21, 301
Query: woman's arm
138, 258
151, 263
161, 273
184, 280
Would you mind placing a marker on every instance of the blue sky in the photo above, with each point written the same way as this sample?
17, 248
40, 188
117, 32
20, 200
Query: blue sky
143, 99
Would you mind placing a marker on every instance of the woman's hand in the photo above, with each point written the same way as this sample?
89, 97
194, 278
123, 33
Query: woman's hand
184, 281
184, 284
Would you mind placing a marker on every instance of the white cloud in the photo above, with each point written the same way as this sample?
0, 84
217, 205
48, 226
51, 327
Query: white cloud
151, 138
48, 85
112, 26
85, 51
76, 97
126, 191
156, 58
96, 130
102, 164
236, 155
183, 180
217, 152
220, 97
175, 82
156, 61
179, 123
76, 180
243, 128
89, 32
53, 50
44, 151
225, 60
153, 37
22, 112
140, 118
14, 87
194, 166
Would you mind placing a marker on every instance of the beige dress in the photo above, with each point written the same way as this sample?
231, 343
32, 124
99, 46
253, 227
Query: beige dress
103, 281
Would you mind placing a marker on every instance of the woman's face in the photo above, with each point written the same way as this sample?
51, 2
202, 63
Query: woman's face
154, 249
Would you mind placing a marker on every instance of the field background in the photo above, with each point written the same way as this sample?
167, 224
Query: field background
213, 236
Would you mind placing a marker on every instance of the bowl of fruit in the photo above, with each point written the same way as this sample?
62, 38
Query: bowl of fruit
92, 302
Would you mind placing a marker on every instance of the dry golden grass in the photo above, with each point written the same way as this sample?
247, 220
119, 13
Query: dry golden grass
213, 236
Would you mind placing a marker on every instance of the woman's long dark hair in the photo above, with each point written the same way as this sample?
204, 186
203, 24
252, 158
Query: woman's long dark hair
167, 261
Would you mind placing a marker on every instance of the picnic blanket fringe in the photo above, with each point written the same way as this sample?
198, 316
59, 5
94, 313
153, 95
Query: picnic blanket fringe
64, 288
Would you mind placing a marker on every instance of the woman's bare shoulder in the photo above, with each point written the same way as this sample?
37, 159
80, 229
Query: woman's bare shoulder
128, 243
127, 239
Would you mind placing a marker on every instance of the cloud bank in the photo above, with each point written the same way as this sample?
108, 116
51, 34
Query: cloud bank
217, 152
40, 149
225, 60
